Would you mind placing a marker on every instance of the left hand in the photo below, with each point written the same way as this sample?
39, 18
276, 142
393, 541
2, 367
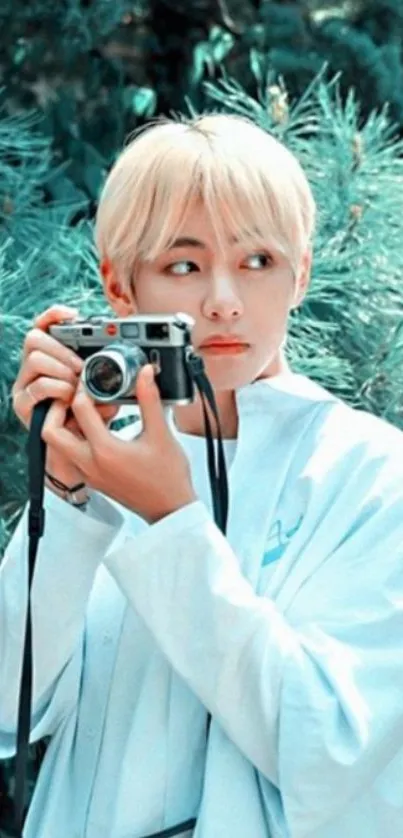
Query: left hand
149, 475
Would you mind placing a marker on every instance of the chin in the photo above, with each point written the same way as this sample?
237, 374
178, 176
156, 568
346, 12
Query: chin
227, 378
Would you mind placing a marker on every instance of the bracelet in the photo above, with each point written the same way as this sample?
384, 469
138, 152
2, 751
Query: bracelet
60, 485
70, 493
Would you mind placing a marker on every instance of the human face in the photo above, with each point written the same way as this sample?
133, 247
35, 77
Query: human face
241, 292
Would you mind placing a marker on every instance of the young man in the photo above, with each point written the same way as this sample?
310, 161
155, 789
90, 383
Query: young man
288, 630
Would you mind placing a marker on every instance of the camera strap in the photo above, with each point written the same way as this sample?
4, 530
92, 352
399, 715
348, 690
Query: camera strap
36, 449
218, 476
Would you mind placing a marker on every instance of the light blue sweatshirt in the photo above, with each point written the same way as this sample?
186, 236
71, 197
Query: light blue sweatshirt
289, 631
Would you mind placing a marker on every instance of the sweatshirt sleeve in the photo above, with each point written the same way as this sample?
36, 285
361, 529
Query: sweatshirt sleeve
312, 699
68, 556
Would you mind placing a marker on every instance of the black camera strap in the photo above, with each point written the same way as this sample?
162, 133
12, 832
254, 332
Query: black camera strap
36, 448
218, 476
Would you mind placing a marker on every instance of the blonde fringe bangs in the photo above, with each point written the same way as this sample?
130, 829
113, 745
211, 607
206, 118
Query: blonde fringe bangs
251, 185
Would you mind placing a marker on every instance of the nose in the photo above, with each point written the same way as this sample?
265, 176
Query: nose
222, 300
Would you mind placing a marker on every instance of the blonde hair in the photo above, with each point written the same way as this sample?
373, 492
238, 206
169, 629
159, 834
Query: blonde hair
252, 186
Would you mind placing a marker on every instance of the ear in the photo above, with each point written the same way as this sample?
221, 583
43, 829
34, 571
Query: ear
303, 278
119, 297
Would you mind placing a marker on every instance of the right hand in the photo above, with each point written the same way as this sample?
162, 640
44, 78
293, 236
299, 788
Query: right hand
50, 370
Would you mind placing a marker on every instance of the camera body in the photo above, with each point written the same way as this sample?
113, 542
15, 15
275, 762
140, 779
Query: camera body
115, 349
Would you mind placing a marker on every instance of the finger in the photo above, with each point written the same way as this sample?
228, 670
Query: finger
149, 399
55, 417
38, 340
88, 418
38, 364
107, 411
43, 388
63, 439
71, 425
55, 314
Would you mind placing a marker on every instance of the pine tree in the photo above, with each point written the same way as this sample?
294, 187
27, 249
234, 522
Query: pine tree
43, 257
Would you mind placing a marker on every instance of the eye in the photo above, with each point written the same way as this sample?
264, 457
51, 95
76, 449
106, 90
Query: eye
181, 268
257, 261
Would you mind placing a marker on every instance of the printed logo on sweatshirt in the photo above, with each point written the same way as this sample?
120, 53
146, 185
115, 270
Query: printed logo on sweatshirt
278, 539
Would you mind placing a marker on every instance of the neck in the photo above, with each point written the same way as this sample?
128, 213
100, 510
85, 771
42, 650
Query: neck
189, 418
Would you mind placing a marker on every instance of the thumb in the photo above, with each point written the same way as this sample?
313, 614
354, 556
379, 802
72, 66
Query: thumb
150, 404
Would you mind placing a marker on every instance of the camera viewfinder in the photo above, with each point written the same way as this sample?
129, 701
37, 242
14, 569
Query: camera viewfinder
157, 331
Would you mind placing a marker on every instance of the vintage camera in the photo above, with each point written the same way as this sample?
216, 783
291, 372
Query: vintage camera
114, 350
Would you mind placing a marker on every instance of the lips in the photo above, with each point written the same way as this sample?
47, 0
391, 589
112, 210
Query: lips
219, 340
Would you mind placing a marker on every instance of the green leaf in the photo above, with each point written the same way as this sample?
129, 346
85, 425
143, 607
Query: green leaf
221, 43
141, 101
201, 60
256, 64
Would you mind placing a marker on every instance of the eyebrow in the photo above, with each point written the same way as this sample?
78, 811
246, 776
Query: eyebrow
189, 241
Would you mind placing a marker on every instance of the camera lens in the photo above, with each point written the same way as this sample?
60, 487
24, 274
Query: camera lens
111, 373
104, 377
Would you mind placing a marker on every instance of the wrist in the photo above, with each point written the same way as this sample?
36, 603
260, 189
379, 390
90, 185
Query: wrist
186, 500
75, 494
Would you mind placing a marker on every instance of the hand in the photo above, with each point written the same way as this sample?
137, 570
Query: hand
149, 475
50, 370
